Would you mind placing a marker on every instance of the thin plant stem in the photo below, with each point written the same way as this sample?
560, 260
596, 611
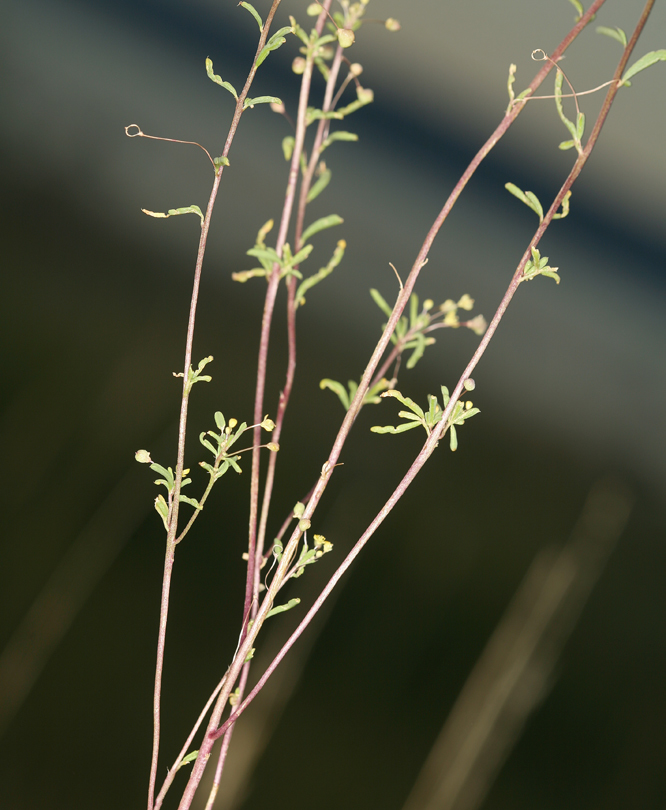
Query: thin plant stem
214, 729
267, 318
226, 742
214, 732
183, 751
254, 556
421, 259
171, 541
285, 394
437, 434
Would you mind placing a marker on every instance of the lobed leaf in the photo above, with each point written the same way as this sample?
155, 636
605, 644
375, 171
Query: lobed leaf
282, 608
218, 79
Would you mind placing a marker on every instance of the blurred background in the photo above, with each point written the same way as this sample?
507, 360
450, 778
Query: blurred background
94, 307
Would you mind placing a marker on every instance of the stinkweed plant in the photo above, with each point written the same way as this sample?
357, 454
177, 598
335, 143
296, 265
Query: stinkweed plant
408, 331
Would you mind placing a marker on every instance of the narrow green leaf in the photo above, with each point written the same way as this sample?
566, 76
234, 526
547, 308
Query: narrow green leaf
579, 8
534, 204
273, 44
453, 438
417, 354
513, 189
218, 79
407, 402
559, 77
250, 102
337, 388
269, 254
288, 144
509, 83
282, 608
566, 145
162, 510
254, 13
302, 255
381, 303
208, 445
580, 125
613, 33
565, 207
191, 501
158, 468
645, 62
322, 181
321, 224
340, 135
394, 430
528, 197
321, 274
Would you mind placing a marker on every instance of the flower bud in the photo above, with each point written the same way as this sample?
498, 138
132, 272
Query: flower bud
298, 65
392, 24
143, 457
346, 37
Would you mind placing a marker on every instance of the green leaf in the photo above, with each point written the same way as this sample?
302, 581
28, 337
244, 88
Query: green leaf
208, 445
310, 282
162, 510
566, 145
579, 8
218, 80
381, 303
580, 125
158, 468
644, 62
565, 207
417, 354
528, 197
407, 402
186, 760
250, 102
321, 224
453, 438
613, 33
338, 136
254, 13
174, 212
510, 82
390, 429
288, 144
302, 255
339, 389
322, 181
273, 43
559, 76
282, 608
191, 501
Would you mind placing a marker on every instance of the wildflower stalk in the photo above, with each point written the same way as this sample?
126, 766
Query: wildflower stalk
174, 498
436, 435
